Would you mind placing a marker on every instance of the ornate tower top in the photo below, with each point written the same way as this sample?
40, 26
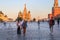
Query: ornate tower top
25, 12
24, 5
55, 3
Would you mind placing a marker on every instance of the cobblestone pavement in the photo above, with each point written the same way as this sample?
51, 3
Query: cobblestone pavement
33, 32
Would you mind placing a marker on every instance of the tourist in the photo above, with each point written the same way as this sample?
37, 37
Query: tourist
4, 22
24, 25
51, 23
58, 22
19, 25
38, 24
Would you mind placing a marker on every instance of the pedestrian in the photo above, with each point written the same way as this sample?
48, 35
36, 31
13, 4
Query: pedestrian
38, 24
24, 25
58, 22
51, 24
4, 23
19, 25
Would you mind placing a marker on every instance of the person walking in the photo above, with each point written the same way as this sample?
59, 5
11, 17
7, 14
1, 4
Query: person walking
58, 22
51, 24
24, 25
4, 23
38, 24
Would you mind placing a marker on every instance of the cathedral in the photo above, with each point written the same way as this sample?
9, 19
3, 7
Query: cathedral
55, 10
25, 15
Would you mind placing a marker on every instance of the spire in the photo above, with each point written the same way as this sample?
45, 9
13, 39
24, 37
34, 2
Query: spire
25, 6
25, 12
55, 3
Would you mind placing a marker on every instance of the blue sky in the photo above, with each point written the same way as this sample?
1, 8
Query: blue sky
37, 8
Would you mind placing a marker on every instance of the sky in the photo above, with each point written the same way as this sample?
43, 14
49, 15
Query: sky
37, 8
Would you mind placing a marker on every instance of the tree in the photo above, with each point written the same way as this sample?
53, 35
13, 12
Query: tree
19, 19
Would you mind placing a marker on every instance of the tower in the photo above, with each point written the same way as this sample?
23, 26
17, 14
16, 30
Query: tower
55, 3
25, 12
55, 10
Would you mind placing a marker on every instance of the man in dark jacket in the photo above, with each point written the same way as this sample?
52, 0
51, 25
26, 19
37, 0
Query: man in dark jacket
51, 23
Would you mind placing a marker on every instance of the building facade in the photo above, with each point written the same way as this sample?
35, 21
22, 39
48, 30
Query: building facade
55, 10
4, 17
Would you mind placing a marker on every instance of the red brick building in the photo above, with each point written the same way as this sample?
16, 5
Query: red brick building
55, 10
